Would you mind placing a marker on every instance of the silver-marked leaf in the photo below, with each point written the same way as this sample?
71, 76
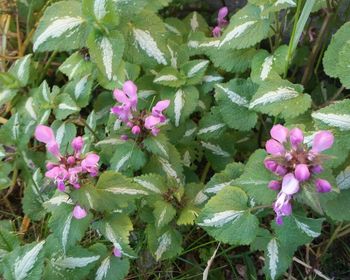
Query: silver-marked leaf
226, 217
336, 115
76, 66
211, 125
61, 28
64, 132
169, 76
21, 69
343, 179
106, 51
194, 70
280, 98
65, 106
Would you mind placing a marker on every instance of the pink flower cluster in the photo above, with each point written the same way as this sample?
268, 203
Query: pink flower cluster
221, 22
68, 169
292, 160
127, 111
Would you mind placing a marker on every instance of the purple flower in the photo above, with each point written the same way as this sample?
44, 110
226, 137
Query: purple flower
128, 98
296, 137
270, 164
157, 110
323, 186
77, 144
90, 164
117, 252
279, 133
59, 174
274, 147
282, 207
221, 21
322, 141
216, 31
45, 134
290, 185
79, 212
274, 185
136, 130
302, 172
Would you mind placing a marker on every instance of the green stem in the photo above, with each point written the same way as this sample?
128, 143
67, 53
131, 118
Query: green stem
290, 51
333, 237
205, 172
47, 65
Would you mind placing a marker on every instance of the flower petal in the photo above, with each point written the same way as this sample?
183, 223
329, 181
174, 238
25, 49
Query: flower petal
323, 140
290, 185
279, 133
44, 134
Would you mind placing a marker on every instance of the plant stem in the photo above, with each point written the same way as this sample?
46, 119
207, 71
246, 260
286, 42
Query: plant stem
290, 52
205, 172
316, 48
333, 237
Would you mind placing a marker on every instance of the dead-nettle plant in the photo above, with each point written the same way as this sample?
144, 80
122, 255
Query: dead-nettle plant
151, 129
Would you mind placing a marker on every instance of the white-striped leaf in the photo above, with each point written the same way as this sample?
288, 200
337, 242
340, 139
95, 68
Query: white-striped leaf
61, 28
106, 52
225, 217
21, 69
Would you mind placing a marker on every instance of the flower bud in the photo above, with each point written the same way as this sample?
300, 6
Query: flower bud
71, 160
117, 253
124, 137
323, 186
279, 133
280, 170
317, 169
302, 172
274, 185
77, 144
79, 213
270, 164
135, 130
296, 137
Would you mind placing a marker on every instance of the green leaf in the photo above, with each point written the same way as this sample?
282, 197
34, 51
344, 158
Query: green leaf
332, 57
106, 51
157, 145
343, 65
224, 178
343, 179
75, 265
163, 213
338, 208
152, 183
194, 70
236, 61
112, 268
336, 115
65, 132
169, 76
6, 95
246, 28
8, 237
165, 244
195, 22
211, 125
116, 228
21, 69
280, 98
255, 179
65, 106
233, 99
67, 229
183, 102
127, 156
32, 199
76, 66
80, 90
61, 28
227, 218
102, 11
25, 263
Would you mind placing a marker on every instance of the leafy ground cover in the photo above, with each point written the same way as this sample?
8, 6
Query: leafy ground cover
149, 139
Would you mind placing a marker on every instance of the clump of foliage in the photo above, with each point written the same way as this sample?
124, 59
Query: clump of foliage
135, 138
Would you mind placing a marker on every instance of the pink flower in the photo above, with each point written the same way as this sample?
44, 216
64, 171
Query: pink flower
216, 31
89, 164
79, 212
274, 147
221, 21
323, 186
45, 134
151, 123
117, 252
279, 133
302, 172
136, 130
296, 137
282, 207
274, 185
323, 140
128, 98
157, 110
290, 185
77, 144
59, 174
